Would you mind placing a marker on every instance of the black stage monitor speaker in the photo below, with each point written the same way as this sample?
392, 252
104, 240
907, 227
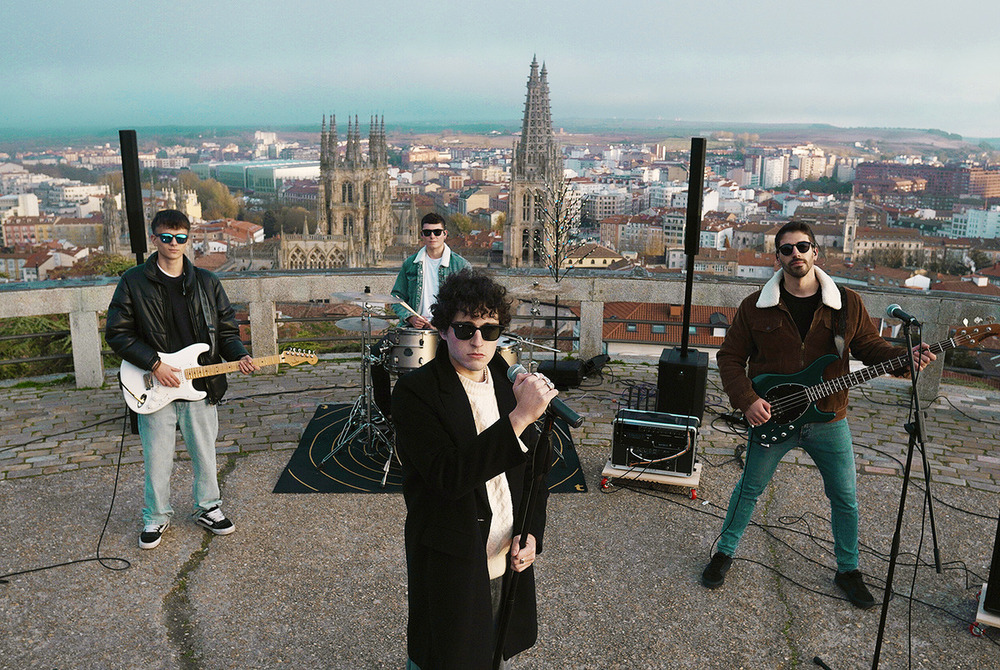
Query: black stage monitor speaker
654, 441
991, 603
564, 374
681, 382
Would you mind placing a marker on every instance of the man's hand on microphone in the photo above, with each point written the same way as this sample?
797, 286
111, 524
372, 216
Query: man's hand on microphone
533, 393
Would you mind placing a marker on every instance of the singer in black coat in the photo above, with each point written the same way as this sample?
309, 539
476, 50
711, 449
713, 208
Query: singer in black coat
445, 469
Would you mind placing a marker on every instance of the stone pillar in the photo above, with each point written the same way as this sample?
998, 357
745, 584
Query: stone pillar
86, 342
591, 328
263, 331
929, 382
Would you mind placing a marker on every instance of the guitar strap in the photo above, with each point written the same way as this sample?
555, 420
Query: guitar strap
840, 325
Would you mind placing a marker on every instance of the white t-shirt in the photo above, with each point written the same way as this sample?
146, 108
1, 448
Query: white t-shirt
431, 283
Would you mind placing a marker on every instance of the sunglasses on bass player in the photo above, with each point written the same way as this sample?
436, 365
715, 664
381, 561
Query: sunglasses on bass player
803, 247
465, 331
436, 232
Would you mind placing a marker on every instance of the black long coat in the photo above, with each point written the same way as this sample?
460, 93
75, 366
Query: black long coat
445, 470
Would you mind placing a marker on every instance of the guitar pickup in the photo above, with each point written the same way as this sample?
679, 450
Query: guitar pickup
147, 379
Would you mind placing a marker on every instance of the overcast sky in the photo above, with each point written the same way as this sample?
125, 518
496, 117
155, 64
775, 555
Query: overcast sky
888, 63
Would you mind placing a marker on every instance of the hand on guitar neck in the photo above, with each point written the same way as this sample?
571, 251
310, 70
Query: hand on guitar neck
168, 375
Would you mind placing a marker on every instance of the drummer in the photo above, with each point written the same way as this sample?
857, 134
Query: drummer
417, 284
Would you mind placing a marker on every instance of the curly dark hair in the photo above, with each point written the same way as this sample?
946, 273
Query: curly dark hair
473, 293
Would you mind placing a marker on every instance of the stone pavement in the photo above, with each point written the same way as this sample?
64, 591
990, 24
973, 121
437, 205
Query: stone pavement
317, 581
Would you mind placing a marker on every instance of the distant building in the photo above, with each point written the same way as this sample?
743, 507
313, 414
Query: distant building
591, 256
536, 176
355, 223
983, 223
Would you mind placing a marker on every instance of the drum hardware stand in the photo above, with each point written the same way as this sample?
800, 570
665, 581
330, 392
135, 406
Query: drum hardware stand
365, 416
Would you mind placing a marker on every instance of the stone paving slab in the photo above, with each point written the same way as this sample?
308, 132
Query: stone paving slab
318, 581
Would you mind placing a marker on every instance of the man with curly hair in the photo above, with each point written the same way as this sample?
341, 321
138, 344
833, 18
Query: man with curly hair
459, 423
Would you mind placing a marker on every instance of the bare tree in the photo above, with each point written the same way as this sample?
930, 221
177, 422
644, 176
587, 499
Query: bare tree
560, 216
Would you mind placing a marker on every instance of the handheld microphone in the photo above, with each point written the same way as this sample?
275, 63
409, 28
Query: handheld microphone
896, 312
556, 406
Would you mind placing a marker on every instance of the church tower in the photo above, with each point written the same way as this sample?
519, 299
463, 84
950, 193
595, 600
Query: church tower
535, 176
355, 222
114, 226
850, 230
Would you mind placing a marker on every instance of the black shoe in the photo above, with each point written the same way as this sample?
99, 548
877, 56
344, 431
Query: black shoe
714, 575
215, 521
853, 586
151, 534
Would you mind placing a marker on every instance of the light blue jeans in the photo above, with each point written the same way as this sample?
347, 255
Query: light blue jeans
831, 448
199, 424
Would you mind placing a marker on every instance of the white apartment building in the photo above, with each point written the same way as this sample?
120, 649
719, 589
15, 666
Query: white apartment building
983, 223
604, 202
78, 192
774, 171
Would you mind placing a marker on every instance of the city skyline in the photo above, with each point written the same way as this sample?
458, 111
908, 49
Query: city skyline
883, 64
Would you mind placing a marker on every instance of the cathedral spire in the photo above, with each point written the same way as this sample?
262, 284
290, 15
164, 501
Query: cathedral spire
536, 173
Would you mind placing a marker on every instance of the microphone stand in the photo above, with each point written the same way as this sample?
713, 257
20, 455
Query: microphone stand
536, 463
916, 430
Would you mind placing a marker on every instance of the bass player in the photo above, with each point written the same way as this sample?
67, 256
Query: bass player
797, 317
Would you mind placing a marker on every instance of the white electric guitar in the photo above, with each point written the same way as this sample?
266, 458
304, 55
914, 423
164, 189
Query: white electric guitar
145, 395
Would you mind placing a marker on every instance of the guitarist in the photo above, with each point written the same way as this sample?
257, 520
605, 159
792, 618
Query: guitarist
163, 306
798, 316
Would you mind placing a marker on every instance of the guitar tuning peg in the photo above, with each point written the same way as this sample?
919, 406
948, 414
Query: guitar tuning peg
978, 319
965, 322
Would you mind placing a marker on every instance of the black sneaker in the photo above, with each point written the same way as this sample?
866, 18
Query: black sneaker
853, 586
714, 575
151, 534
215, 521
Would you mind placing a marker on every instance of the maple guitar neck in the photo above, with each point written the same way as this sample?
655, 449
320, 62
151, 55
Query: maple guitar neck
232, 366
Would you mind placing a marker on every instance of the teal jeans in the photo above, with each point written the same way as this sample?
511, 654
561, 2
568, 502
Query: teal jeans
199, 425
831, 448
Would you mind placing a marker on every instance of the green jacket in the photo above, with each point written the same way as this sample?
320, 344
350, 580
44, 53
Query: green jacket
410, 280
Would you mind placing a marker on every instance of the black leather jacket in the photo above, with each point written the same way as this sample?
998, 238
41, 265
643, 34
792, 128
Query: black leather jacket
138, 320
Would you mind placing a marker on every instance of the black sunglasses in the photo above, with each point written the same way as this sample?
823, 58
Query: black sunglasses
803, 247
436, 232
166, 238
464, 330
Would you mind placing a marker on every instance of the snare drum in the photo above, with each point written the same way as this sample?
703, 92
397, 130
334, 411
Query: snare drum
409, 348
510, 350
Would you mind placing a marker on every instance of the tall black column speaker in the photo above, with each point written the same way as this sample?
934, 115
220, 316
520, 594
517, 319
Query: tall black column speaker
133, 192
681, 382
696, 191
992, 601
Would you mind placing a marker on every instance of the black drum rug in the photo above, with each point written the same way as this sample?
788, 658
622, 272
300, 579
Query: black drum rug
359, 468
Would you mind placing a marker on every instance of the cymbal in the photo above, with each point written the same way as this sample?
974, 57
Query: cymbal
362, 296
361, 324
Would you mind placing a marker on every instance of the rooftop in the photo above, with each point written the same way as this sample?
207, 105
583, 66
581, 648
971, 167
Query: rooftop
319, 580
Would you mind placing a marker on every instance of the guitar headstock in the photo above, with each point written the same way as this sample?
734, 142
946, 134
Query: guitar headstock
297, 356
977, 331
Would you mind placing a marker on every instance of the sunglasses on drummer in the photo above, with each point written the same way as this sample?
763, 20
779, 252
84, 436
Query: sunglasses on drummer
465, 331
436, 232
803, 247
167, 238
